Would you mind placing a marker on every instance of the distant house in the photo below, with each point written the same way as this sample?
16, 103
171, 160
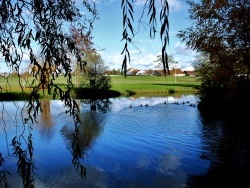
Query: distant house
4, 74
142, 73
189, 73
176, 72
173, 72
132, 72
158, 73
107, 72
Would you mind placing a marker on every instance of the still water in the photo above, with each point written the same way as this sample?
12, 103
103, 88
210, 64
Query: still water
148, 142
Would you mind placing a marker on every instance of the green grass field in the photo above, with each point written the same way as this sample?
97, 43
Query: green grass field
130, 85
155, 84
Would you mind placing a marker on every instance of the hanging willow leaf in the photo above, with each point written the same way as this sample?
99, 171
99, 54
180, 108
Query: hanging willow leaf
163, 27
124, 20
130, 6
151, 5
125, 47
124, 65
38, 34
122, 3
20, 37
130, 26
131, 14
128, 12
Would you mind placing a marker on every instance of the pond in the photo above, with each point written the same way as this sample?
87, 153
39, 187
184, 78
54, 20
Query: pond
127, 142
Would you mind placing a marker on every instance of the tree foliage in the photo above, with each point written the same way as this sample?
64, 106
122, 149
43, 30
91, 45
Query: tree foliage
220, 30
28, 25
94, 76
171, 62
83, 41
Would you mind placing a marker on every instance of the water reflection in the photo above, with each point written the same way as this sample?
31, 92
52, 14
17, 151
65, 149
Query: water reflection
103, 105
21, 144
226, 145
45, 120
123, 143
80, 138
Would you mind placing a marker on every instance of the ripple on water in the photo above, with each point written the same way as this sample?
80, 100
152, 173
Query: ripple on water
127, 147
153, 140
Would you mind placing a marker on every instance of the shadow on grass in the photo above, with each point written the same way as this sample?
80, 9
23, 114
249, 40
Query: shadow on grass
13, 96
87, 93
130, 93
181, 85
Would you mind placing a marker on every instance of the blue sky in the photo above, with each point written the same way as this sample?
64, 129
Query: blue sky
108, 33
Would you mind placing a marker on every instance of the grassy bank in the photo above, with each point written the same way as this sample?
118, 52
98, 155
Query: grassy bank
131, 85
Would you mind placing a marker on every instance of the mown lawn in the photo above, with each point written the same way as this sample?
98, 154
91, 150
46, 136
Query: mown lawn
155, 84
130, 85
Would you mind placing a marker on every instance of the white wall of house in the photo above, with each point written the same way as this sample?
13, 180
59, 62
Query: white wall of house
141, 73
179, 75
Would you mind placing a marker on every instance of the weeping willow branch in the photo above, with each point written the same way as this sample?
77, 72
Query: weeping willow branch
25, 162
27, 26
3, 173
128, 30
164, 34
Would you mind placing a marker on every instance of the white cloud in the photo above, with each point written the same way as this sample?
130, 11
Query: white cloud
184, 56
174, 5
109, 1
185, 64
182, 49
138, 60
140, 2
114, 60
143, 61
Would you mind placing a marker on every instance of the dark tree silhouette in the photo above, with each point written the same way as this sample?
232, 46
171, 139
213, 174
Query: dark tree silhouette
220, 30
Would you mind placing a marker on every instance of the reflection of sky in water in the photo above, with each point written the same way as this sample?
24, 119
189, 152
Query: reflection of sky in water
144, 146
119, 103
142, 141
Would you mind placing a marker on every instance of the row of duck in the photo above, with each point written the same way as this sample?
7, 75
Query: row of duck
165, 102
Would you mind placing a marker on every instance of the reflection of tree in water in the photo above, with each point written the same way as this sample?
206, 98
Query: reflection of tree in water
44, 121
87, 131
228, 148
96, 105
80, 138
